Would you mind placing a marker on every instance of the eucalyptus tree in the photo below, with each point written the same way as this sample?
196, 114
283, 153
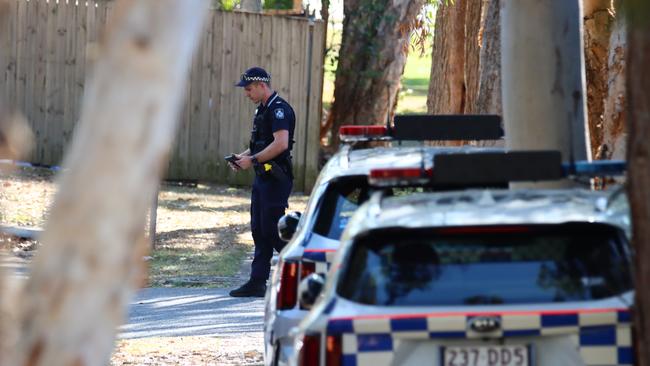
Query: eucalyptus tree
371, 61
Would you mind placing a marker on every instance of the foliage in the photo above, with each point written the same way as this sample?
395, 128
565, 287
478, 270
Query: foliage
278, 4
225, 5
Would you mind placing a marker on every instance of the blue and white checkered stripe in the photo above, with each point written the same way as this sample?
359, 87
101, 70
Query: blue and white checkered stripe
323, 259
603, 338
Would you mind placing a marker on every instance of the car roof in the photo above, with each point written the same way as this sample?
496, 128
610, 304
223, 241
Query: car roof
348, 162
488, 207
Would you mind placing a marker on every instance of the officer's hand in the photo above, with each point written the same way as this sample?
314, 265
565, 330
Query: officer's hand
245, 162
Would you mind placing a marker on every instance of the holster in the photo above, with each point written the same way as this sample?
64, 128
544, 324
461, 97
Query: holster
270, 170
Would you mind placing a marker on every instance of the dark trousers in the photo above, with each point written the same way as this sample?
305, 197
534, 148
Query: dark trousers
269, 199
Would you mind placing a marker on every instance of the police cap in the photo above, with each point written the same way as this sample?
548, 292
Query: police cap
252, 75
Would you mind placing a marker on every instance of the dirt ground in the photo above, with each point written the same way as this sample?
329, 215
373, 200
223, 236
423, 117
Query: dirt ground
187, 351
202, 235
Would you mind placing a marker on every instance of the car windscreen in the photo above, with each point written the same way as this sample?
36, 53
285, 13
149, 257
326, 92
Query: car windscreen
341, 198
487, 265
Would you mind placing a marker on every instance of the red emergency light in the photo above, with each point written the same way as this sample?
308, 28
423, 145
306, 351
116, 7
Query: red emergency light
399, 176
363, 133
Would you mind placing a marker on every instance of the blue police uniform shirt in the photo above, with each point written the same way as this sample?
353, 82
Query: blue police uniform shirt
281, 117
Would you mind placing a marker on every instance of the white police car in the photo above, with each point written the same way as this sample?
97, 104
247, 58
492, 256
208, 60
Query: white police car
341, 187
478, 277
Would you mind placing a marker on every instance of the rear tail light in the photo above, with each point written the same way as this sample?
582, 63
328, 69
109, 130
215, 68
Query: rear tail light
306, 269
363, 133
399, 176
310, 352
288, 289
333, 351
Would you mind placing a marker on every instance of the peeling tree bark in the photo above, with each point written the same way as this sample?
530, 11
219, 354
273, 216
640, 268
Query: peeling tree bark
598, 22
90, 261
614, 142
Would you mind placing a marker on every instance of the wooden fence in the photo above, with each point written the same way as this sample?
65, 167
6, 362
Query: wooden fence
49, 47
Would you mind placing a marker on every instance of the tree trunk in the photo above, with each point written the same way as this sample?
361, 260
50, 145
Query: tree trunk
15, 142
447, 88
613, 145
371, 62
638, 89
90, 261
598, 21
466, 60
543, 88
473, 30
488, 100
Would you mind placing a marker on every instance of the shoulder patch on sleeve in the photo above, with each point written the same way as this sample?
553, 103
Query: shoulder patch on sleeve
279, 113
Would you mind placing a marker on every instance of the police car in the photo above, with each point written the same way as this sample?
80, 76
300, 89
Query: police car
478, 277
340, 188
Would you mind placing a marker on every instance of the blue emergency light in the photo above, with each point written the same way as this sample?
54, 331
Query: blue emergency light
596, 168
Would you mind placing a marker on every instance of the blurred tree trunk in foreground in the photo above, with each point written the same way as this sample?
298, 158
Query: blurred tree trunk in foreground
90, 262
15, 143
371, 62
638, 89
543, 80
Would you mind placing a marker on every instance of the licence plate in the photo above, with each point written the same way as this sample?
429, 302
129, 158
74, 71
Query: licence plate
486, 356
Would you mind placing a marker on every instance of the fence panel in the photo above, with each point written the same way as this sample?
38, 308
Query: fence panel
50, 45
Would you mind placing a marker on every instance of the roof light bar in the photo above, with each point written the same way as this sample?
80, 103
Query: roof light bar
497, 167
394, 177
448, 127
490, 169
363, 133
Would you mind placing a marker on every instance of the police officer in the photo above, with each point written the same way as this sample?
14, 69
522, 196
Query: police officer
269, 154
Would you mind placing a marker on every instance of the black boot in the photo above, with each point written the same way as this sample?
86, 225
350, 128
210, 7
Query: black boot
252, 288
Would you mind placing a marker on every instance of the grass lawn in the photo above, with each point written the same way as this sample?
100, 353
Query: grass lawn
203, 231
415, 84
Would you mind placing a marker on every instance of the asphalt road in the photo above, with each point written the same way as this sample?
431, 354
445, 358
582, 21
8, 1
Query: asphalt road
178, 312
175, 312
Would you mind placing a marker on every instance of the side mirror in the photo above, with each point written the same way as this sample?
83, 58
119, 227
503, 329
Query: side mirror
309, 289
287, 225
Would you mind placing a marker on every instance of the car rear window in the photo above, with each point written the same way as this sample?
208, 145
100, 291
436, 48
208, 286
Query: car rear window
487, 265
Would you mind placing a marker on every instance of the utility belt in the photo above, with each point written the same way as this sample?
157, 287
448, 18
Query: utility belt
272, 170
